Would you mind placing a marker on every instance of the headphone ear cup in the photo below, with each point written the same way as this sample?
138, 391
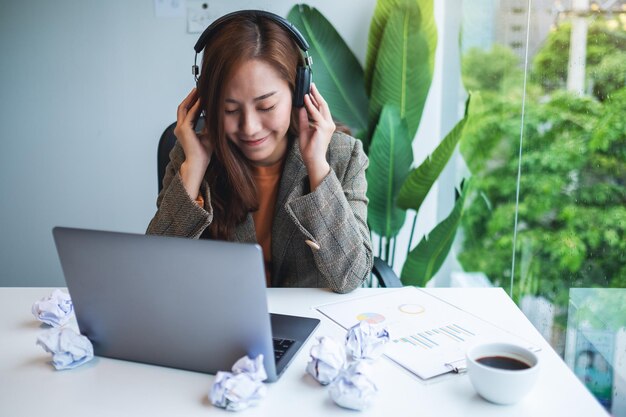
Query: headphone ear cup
303, 85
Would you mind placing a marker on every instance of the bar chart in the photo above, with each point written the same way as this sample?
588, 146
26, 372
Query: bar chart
432, 338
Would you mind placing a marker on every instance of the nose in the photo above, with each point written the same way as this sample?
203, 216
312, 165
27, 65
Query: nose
250, 123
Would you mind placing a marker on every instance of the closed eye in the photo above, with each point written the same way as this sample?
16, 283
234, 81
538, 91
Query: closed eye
266, 109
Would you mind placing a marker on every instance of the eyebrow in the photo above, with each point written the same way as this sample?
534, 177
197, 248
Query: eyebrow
259, 98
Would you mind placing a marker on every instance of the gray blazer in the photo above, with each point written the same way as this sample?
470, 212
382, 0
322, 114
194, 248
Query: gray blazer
334, 217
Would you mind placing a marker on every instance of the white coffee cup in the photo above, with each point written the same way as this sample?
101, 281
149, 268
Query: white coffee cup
502, 373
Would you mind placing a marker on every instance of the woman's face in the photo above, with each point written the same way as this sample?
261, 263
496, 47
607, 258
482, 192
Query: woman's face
257, 112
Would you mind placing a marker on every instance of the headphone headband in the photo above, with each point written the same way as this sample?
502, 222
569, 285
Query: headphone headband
303, 75
281, 21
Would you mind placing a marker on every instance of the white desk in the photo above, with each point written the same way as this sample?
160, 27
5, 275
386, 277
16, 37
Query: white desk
29, 386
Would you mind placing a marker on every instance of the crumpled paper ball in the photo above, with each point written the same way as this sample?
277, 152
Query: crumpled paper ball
241, 388
353, 388
365, 341
327, 359
55, 310
69, 349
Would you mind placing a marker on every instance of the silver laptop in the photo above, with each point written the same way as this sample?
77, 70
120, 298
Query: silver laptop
190, 304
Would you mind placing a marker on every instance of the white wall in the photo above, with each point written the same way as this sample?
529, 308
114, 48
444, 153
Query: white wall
87, 87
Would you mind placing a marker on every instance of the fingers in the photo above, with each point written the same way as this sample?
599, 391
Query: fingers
319, 102
189, 100
310, 95
192, 115
309, 106
317, 107
188, 109
317, 119
192, 93
313, 110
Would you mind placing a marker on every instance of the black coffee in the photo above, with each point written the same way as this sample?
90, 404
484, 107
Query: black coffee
502, 362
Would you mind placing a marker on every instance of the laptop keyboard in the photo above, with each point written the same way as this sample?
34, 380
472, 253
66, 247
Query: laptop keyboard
281, 346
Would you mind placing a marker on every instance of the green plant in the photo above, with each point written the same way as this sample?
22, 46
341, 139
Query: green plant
572, 192
606, 47
336, 72
383, 103
494, 70
572, 215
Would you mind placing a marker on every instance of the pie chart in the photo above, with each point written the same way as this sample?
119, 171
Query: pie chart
371, 318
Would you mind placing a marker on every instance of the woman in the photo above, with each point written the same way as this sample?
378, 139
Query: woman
264, 171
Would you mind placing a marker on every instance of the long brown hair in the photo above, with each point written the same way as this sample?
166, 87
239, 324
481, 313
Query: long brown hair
240, 38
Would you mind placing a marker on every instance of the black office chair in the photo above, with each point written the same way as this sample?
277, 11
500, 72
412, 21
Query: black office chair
385, 276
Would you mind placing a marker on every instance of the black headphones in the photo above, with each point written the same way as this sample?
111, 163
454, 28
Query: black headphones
303, 75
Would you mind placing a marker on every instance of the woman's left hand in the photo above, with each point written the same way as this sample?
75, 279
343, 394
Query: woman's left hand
316, 130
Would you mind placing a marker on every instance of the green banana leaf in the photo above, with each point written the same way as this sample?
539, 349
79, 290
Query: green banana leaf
426, 258
402, 71
379, 21
391, 156
336, 72
419, 182
427, 7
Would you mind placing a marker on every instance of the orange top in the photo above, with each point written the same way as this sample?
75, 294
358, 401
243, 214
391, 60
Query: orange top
267, 179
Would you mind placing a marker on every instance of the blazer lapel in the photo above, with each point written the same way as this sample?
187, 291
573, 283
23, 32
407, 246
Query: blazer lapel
292, 184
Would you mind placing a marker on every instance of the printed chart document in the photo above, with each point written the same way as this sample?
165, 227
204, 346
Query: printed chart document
429, 336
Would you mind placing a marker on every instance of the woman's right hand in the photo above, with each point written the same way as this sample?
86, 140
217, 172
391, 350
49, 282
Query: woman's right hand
197, 148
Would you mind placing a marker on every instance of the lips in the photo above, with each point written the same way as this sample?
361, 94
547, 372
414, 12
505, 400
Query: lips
256, 142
